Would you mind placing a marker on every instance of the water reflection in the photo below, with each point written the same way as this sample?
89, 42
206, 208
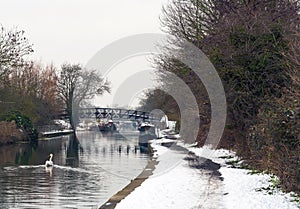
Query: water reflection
72, 148
49, 169
88, 169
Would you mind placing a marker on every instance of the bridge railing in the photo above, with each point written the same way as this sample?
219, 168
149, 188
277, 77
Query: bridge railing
116, 114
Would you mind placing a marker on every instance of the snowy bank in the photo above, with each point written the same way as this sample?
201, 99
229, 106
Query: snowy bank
175, 184
54, 133
243, 189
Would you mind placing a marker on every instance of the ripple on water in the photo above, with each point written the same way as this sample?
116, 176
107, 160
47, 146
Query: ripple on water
104, 167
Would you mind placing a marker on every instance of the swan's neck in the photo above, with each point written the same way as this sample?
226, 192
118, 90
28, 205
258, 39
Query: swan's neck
51, 158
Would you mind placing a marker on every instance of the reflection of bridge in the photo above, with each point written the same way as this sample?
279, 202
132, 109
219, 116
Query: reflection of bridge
116, 114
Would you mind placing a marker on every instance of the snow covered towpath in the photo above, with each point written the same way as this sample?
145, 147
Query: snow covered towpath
192, 178
180, 180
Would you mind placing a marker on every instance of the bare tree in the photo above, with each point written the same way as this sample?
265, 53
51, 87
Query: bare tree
76, 84
13, 47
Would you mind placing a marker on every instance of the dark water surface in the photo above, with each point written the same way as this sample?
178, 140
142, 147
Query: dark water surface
84, 175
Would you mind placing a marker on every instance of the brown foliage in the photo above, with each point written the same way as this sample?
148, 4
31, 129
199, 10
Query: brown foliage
32, 89
9, 132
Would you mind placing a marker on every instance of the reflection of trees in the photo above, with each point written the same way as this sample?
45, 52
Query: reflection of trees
72, 158
23, 157
25, 154
46, 147
16, 154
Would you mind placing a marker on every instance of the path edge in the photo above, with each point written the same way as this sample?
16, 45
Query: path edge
112, 202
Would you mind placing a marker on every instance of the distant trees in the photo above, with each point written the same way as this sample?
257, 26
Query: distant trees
165, 103
36, 92
77, 84
254, 46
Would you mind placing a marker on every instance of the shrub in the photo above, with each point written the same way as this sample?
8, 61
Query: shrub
9, 132
22, 122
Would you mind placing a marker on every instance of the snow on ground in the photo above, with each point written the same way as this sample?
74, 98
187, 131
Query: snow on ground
175, 185
57, 131
241, 187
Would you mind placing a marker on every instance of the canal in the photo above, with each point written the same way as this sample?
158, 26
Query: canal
84, 175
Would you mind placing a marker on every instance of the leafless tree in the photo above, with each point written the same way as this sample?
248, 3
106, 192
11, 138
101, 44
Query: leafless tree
13, 47
76, 84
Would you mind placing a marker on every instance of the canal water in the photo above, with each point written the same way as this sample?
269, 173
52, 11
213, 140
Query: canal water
84, 175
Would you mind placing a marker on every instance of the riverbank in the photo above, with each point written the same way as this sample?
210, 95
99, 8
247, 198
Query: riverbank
115, 199
184, 180
145, 174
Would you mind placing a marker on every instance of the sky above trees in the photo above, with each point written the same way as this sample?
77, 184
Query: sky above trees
73, 31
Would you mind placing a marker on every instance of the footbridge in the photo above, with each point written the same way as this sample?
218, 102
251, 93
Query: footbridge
117, 114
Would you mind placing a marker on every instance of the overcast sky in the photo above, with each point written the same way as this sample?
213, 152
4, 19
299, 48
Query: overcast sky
74, 30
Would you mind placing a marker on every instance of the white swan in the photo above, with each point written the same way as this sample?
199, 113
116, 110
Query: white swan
49, 162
